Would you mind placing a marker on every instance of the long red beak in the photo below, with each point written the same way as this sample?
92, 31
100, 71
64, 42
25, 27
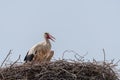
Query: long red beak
52, 38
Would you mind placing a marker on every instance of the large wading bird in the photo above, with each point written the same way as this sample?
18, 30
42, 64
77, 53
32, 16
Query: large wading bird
40, 52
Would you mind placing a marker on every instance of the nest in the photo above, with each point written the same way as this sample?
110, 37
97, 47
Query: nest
59, 70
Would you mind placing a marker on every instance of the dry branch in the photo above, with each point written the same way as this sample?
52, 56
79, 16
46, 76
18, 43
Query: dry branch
6, 58
16, 61
104, 55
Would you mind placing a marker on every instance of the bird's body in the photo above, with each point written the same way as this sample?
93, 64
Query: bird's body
41, 51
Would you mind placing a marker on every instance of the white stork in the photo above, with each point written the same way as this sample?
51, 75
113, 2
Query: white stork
40, 52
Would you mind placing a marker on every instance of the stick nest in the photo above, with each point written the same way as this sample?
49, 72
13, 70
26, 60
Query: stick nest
59, 70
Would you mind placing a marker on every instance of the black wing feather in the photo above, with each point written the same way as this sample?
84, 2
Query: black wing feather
28, 57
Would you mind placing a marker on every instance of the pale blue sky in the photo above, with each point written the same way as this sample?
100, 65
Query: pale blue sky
79, 25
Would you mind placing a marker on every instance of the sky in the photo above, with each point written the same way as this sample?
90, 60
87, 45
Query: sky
84, 26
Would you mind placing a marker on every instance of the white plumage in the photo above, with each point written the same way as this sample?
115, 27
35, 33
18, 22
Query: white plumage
41, 52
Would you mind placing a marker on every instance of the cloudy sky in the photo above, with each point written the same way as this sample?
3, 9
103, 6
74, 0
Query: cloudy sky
85, 26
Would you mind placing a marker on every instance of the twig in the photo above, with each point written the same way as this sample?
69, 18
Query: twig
69, 73
3, 63
2, 75
69, 51
80, 58
64, 54
104, 56
16, 61
6, 58
94, 61
117, 62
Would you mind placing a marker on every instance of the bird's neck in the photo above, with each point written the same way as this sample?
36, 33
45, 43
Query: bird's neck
47, 41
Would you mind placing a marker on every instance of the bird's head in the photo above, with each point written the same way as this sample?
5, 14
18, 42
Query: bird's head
48, 36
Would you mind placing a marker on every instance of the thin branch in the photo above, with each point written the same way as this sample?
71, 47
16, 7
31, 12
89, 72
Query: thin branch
104, 55
2, 75
64, 53
16, 61
80, 58
69, 51
69, 73
117, 62
6, 58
